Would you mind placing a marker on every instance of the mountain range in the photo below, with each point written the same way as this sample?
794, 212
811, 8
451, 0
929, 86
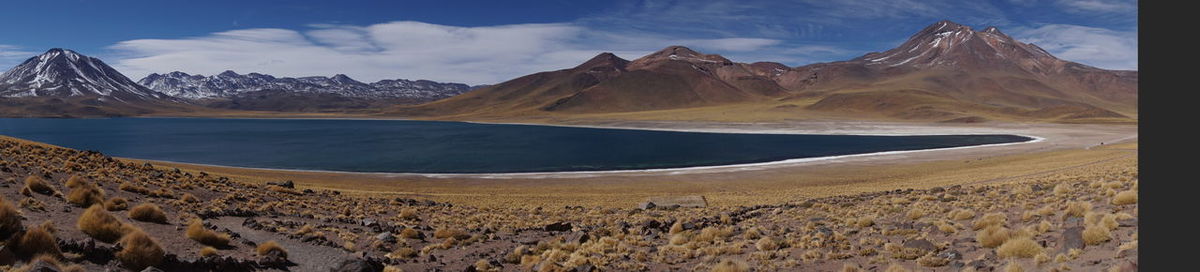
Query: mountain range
64, 83
230, 84
945, 72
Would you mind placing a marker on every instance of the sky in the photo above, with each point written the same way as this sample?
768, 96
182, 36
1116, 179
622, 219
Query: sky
486, 42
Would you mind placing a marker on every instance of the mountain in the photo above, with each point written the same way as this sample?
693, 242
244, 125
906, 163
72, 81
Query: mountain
62, 82
65, 73
944, 72
948, 70
229, 84
675, 77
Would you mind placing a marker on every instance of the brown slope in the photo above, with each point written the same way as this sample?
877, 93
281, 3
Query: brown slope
675, 77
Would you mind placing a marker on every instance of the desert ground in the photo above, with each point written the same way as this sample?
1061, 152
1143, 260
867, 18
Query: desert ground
1064, 202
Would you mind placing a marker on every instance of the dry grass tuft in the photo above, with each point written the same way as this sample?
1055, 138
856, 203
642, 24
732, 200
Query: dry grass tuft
85, 194
271, 246
1078, 208
10, 219
208, 251
37, 241
457, 234
992, 236
139, 250
410, 233
130, 187
990, 220
38, 185
99, 224
148, 212
116, 204
1019, 247
731, 265
961, 214
1096, 234
197, 232
1125, 198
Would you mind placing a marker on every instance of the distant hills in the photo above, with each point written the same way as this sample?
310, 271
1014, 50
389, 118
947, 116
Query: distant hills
945, 72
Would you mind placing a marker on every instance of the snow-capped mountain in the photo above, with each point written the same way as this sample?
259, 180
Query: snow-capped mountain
65, 73
950, 45
229, 84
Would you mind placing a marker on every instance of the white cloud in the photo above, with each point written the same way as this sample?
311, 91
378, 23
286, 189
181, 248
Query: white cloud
407, 49
11, 55
1099, 6
1098, 47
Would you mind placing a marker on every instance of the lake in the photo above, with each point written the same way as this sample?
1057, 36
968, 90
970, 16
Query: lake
399, 146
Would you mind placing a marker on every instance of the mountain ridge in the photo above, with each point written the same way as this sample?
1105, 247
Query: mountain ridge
944, 72
229, 84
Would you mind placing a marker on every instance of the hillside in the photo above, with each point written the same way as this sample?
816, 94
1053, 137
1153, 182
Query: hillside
1081, 219
945, 72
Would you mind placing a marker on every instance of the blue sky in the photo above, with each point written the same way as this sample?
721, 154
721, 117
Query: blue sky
480, 42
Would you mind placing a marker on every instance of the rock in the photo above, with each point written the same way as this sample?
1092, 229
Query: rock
1073, 238
647, 205
652, 224
274, 258
285, 184
579, 237
559, 226
921, 244
937, 190
950, 255
357, 265
586, 267
152, 269
386, 237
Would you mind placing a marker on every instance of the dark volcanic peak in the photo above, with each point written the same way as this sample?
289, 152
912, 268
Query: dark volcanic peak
64, 73
230, 83
680, 54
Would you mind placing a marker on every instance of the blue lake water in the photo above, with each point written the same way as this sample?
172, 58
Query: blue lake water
445, 147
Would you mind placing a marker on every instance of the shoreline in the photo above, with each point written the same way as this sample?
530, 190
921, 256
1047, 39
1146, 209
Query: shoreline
583, 174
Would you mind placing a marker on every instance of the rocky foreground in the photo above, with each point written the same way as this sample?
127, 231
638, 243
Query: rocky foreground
69, 210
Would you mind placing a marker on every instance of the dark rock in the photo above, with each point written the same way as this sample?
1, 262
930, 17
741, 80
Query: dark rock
646, 205
652, 224
587, 267
559, 226
274, 258
937, 190
921, 244
579, 237
358, 265
1073, 238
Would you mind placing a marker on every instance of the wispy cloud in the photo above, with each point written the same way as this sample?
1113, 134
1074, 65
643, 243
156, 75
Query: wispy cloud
1098, 6
1093, 46
404, 49
11, 55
